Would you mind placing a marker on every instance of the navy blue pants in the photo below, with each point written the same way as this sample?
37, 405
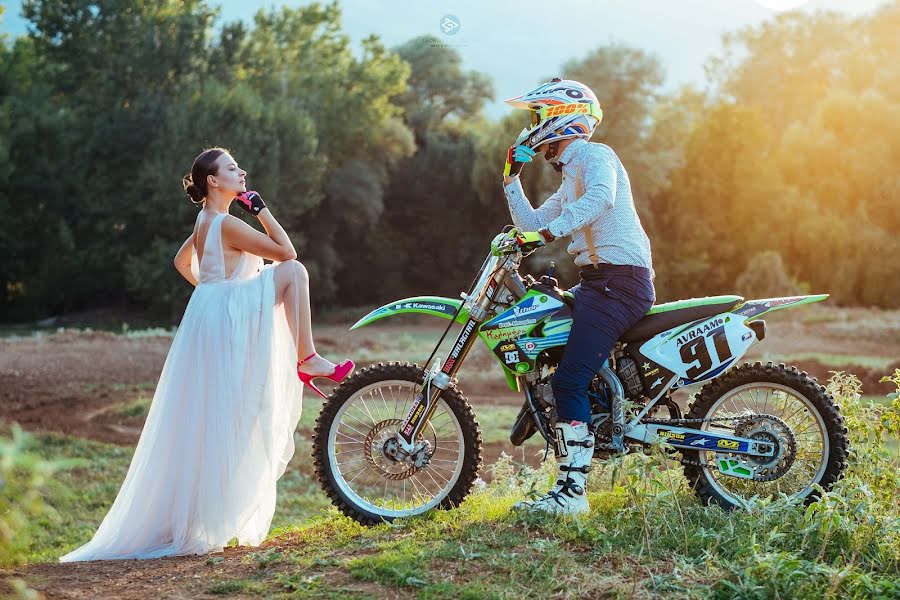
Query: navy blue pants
608, 302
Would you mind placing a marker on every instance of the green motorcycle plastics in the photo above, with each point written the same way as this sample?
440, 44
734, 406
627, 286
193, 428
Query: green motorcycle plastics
540, 321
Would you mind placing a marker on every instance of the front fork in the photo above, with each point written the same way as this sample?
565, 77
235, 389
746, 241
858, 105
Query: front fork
425, 402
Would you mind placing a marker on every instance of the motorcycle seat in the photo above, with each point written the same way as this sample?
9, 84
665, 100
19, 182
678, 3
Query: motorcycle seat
671, 314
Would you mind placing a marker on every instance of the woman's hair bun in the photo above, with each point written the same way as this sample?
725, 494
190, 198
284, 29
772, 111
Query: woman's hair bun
193, 191
204, 165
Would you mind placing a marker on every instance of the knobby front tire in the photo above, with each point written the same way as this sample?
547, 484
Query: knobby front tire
352, 427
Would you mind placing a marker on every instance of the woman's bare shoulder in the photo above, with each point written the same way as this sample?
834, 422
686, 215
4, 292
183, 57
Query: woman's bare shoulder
233, 224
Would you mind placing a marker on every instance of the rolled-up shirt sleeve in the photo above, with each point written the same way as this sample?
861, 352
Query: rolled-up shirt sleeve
524, 216
599, 175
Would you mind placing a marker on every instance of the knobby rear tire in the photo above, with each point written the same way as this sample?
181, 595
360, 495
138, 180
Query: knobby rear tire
790, 377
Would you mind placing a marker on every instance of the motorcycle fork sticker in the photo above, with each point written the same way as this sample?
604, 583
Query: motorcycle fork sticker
414, 417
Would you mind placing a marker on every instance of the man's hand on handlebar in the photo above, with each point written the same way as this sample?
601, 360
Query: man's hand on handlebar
521, 241
529, 240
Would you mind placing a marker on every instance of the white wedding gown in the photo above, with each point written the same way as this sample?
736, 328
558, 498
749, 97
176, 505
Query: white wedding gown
220, 429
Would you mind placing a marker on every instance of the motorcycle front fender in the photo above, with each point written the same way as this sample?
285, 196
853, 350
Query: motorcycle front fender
436, 306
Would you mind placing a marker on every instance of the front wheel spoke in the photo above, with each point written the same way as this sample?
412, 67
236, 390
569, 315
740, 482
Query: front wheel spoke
357, 451
383, 399
366, 407
350, 437
363, 423
446, 427
445, 469
358, 472
446, 449
354, 431
418, 485
430, 476
445, 460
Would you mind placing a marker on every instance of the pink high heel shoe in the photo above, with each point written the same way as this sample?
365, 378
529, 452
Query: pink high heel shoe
341, 371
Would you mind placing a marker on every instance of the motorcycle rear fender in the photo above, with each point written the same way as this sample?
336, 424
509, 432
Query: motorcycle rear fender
753, 309
436, 306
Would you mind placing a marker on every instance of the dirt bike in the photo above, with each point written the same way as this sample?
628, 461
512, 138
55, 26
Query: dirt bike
396, 440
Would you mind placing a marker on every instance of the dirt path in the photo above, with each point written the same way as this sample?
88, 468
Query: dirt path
176, 577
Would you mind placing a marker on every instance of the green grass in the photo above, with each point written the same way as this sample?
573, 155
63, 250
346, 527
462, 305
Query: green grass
78, 498
136, 408
226, 587
646, 536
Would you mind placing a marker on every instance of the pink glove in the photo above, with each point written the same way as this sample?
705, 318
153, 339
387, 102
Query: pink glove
250, 201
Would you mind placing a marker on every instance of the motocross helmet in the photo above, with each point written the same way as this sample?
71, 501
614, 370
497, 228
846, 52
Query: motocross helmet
560, 109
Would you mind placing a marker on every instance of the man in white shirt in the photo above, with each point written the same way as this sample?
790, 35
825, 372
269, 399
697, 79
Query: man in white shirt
595, 207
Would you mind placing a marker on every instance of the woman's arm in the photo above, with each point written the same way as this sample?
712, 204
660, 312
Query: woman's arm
183, 260
274, 246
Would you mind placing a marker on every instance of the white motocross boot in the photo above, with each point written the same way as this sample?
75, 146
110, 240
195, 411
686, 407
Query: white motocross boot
574, 451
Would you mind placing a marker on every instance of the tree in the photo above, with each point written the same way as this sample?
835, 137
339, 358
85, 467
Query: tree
288, 96
627, 83
438, 88
434, 226
722, 205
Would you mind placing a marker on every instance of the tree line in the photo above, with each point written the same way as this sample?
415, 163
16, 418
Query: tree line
782, 177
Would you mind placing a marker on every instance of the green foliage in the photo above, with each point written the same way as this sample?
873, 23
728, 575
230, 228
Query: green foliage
437, 87
627, 82
376, 159
424, 239
814, 167
765, 277
24, 477
97, 152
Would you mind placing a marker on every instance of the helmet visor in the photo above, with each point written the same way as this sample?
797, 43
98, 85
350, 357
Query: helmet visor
560, 110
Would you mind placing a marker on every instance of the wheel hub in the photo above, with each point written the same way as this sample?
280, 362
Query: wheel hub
771, 430
383, 452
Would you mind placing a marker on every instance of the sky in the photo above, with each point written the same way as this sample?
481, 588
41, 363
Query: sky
520, 44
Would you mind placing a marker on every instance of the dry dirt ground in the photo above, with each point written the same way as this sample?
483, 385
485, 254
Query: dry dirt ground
71, 382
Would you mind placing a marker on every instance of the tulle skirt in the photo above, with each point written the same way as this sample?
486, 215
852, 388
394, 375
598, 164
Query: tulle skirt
219, 433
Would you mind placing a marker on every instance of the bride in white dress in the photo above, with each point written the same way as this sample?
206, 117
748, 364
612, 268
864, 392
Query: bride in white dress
220, 429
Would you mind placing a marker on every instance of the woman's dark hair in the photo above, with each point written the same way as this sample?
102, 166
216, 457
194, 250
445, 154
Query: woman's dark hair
204, 165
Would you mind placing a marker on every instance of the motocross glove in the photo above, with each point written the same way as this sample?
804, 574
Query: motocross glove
529, 240
516, 157
251, 202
